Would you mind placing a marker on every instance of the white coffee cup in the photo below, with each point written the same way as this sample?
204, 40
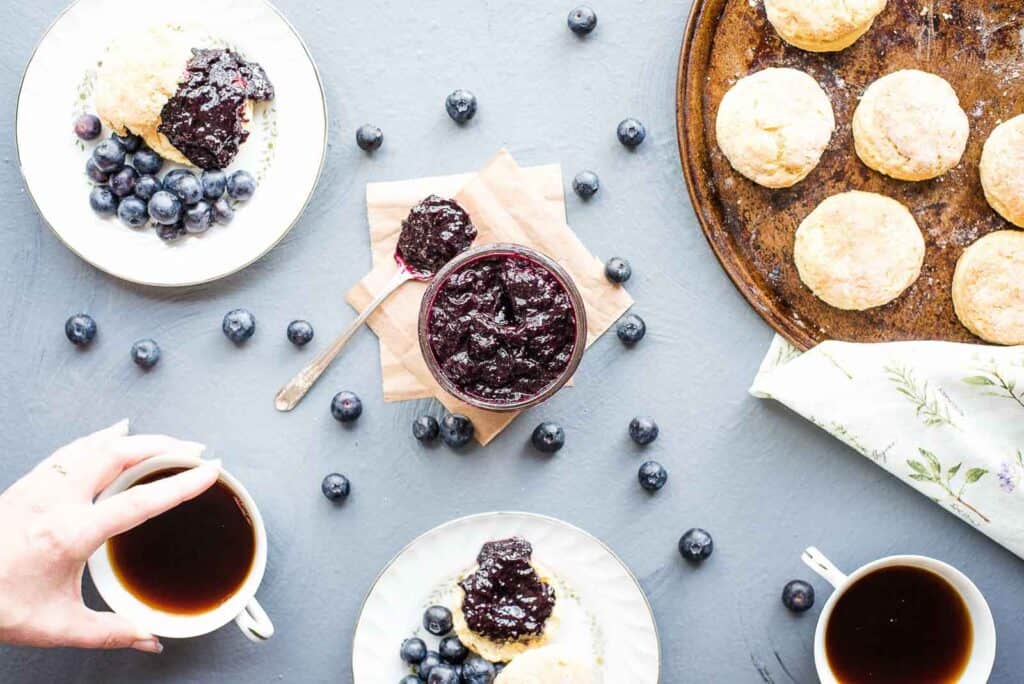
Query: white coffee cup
983, 647
242, 607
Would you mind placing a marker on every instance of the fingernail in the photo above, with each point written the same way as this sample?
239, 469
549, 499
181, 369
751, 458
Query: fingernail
121, 426
148, 646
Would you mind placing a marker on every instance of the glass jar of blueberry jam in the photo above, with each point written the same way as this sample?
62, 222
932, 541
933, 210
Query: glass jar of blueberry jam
502, 327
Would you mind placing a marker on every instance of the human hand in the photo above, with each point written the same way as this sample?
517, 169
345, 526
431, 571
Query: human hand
51, 526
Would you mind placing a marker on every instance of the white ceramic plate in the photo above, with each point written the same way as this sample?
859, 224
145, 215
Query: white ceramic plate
285, 149
604, 610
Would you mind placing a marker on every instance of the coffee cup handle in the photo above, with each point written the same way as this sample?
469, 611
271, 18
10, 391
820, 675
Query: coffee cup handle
255, 623
816, 561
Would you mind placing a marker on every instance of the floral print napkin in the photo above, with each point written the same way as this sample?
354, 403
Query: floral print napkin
947, 419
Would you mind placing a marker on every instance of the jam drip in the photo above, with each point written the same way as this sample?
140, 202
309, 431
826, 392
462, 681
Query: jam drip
435, 231
505, 598
502, 328
205, 118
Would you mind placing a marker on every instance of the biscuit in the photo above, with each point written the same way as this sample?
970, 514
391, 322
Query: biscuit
822, 25
909, 125
988, 287
774, 125
1002, 170
858, 250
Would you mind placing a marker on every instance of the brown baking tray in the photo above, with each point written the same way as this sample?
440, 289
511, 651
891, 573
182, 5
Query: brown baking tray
977, 45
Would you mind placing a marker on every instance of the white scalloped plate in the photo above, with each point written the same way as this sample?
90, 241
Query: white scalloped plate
285, 149
604, 611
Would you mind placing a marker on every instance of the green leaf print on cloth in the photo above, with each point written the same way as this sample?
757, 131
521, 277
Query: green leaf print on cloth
931, 471
933, 407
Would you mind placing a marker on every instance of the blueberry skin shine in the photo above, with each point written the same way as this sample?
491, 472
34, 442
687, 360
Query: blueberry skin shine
425, 428
582, 20
238, 325
798, 596
300, 333
80, 329
586, 184
696, 545
461, 105
631, 132
456, 430
548, 437
652, 476
145, 353
346, 407
369, 137
336, 487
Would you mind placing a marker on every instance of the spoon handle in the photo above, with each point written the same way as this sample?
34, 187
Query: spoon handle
292, 393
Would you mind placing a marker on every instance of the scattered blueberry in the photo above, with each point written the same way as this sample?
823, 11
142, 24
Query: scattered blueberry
145, 353
643, 430
425, 428
241, 185
185, 185
223, 211
239, 325
164, 208
798, 596
147, 161
346, 407
631, 329
437, 620
102, 200
300, 333
172, 176
631, 132
413, 651
80, 329
147, 186
198, 218
582, 20
131, 143
432, 660
548, 437
618, 270
586, 184
336, 487
109, 156
461, 105
476, 670
132, 212
95, 173
652, 476
452, 650
170, 232
456, 430
411, 679
696, 545
123, 182
443, 674
369, 138
88, 127
214, 183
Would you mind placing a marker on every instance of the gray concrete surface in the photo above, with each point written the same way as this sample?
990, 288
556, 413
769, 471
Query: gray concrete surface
764, 482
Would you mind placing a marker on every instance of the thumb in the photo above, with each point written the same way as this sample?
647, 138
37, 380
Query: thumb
94, 629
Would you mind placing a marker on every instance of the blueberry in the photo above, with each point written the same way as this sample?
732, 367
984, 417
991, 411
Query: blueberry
214, 183
631, 329
443, 674
131, 143
411, 679
586, 184
432, 660
95, 173
223, 212
88, 127
123, 182
798, 596
548, 437
147, 161
132, 212
172, 177
369, 138
146, 187
109, 156
102, 200
185, 185
631, 132
198, 218
456, 430
643, 430
696, 545
652, 476
80, 329
346, 407
164, 208
461, 105
241, 185
476, 670
618, 270
452, 650
300, 333
336, 487
437, 620
425, 428
170, 232
239, 325
145, 353
582, 20
413, 651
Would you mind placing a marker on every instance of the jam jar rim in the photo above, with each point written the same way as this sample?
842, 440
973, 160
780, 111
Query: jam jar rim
499, 249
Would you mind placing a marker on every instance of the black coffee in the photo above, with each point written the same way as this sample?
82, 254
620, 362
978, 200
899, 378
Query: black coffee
899, 624
190, 559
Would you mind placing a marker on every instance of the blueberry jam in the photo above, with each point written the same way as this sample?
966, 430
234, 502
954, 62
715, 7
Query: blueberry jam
502, 328
435, 231
505, 598
205, 118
